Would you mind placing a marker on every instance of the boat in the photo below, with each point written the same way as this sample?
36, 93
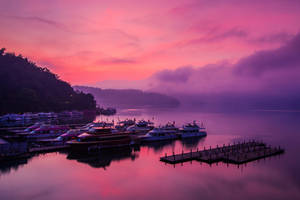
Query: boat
100, 138
62, 139
102, 130
26, 131
123, 125
141, 127
34, 126
92, 125
69, 135
192, 130
47, 131
167, 132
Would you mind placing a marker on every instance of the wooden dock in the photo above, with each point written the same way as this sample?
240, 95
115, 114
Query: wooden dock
239, 153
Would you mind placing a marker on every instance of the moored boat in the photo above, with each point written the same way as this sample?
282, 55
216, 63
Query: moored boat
100, 138
26, 131
47, 131
192, 130
123, 125
63, 138
141, 127
167, 132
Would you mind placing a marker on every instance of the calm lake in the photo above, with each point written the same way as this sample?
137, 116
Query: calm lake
138, 173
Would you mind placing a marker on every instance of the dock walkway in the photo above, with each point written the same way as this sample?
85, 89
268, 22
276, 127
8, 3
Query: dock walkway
236, 153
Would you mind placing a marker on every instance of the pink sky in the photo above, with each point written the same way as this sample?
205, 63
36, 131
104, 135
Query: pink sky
86, 42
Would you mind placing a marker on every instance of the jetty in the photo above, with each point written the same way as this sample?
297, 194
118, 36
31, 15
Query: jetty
237, 153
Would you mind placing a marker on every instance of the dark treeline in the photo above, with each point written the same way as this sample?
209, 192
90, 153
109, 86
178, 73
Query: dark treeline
25, 87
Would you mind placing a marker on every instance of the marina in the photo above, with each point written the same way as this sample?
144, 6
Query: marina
97, 136
92, 137
239, 153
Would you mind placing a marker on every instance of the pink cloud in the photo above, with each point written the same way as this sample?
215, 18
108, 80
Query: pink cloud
156, 34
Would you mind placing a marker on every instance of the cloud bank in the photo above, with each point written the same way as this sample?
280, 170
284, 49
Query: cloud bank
91, 41
268, 79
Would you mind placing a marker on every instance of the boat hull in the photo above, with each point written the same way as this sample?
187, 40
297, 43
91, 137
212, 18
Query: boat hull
159, 138
43, 136
193, 134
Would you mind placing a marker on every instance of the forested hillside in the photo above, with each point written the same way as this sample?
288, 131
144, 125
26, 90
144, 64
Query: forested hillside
26, 87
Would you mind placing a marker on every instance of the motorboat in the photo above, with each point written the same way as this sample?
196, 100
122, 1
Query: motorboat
141, 127
100, 138
26, 131
63, 138
123, 125
167, 132
47, 131
192, 130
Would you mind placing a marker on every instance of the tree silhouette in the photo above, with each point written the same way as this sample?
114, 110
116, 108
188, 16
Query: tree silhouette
26, 87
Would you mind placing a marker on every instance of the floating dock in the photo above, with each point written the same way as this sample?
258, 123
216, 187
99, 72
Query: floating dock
239, 153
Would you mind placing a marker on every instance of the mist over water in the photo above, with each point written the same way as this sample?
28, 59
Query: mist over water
138, 173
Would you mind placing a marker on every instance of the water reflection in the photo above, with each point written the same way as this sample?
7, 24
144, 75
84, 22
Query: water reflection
7, 166
158, 146
104, 158
192, 142
137, 173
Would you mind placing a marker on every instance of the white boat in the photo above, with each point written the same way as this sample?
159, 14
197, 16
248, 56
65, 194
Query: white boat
47, 131
69, 135
28, 129
167, 132
192, 130
123, 125
34, 126
141, 127
90, 126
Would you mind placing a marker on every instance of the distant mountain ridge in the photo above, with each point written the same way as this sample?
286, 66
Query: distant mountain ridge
129, 98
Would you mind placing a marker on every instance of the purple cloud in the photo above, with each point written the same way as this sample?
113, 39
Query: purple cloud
280, 37
287, 56
270, 77
179, 75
